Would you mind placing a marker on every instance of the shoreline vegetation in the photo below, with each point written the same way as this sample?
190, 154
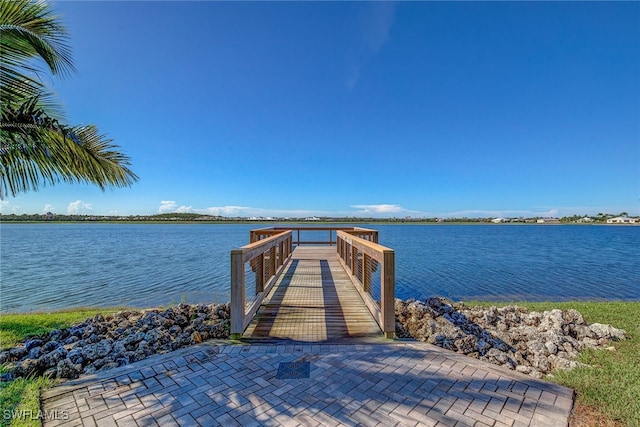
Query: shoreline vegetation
600, 218
600, 401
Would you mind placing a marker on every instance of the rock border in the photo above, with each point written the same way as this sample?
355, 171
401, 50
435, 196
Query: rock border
104, 342
532, 343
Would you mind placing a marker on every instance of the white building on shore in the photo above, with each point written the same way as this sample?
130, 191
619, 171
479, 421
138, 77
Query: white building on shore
621, 220
548, 221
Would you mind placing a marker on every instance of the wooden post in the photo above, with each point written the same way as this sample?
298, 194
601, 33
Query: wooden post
354, 260
237, 294
272, 261
259, 269
387, 291
366, 273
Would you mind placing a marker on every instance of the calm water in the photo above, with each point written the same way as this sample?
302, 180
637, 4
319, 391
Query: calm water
52, 266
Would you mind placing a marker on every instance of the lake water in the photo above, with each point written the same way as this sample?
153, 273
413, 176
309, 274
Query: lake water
51, 265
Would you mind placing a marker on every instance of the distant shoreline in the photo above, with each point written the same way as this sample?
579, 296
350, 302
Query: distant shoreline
267, 223
87, 219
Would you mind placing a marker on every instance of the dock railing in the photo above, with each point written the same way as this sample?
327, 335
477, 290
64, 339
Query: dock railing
270, 248
361, 258
265, 258
303, 235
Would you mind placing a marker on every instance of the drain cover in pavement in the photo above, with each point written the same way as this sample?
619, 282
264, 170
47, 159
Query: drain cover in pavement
293, 370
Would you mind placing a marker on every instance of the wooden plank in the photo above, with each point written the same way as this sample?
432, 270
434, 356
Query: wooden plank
313, 300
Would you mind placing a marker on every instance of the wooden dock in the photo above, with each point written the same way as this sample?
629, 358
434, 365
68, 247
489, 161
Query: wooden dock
313, 300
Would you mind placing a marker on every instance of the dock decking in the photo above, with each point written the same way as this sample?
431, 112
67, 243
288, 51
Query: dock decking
313, 301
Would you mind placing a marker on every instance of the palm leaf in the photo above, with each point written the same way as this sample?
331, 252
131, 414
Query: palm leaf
36, 148
30, 32
35, 155
28, 29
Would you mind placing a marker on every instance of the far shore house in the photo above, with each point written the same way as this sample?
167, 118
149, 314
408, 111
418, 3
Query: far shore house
548, 221
621, 220
585, 219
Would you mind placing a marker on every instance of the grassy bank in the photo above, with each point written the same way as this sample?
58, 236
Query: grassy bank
17, 327
608, 391
22, 396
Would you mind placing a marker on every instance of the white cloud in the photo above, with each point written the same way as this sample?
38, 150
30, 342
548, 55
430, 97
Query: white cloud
48, 208
375, 23
246, 211
166, 206
227, 210
379, 209
553, 213
78, 207
5, 206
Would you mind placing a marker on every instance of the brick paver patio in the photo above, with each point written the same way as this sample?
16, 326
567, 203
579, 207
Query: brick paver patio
400, 383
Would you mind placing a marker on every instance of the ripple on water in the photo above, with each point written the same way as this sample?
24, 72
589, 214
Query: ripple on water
53, 266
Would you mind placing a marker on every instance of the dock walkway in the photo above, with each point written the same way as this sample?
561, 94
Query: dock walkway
313, 301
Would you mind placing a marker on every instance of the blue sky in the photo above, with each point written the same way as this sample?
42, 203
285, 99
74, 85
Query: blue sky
357, 109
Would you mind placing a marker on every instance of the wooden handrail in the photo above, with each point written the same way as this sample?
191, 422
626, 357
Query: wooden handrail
267, 258
262, 233
357, 255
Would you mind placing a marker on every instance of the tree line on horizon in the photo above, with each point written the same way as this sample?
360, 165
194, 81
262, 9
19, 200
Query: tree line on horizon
195, 217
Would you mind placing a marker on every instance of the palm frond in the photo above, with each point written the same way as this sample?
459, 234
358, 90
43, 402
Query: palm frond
29, 34
33, 155
29, 29
36, 147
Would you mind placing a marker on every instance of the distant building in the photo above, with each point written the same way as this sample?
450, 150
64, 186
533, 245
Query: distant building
585, 219
548, 221
621, 220
498, 220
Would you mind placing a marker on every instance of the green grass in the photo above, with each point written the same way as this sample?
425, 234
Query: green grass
22, 396
612, 382
17, 327
21, 401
